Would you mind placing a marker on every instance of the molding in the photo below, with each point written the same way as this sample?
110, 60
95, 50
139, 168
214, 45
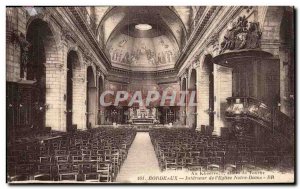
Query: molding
199, 43
196, 35
76, 29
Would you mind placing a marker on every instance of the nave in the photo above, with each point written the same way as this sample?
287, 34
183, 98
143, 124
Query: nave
108, 154
141, 160
210, 87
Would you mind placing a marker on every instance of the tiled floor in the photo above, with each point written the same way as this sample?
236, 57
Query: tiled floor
141, 160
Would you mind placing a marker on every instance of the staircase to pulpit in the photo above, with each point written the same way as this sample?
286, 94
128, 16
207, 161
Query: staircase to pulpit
250, 116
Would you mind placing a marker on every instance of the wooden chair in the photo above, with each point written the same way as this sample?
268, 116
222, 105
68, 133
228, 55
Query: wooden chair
104, 170
44, 172
67, 171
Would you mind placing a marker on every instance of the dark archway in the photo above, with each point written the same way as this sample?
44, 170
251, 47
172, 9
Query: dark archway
100, 109
40, 39
208, 67
72, 60
91, 98
183, 108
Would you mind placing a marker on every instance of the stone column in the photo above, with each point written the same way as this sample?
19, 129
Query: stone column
202, 84
55, 96
223, 89
186, 100
79, 108
101, 109
92, 103
183, 109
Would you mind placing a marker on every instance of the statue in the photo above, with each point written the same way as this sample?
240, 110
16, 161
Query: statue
253, 36
24, 46
241, 35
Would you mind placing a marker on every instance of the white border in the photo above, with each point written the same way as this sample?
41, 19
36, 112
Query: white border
4, 3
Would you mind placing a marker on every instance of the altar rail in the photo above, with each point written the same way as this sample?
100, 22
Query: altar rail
143, 121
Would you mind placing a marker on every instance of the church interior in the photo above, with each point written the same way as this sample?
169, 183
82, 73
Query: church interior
59, 60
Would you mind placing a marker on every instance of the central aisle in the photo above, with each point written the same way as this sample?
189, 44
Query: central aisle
141, 160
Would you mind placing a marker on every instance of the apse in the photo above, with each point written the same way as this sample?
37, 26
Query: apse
143, 39
142, 49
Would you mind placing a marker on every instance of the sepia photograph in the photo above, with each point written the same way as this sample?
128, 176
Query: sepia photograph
150, 94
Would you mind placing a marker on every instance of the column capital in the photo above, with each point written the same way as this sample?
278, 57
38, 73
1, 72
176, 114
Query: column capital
196, 64
78, 79
58, 66
66, 34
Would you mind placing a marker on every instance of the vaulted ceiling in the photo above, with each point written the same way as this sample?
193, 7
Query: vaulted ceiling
143, 38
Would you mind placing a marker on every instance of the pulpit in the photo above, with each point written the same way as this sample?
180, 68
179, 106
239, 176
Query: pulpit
255, 77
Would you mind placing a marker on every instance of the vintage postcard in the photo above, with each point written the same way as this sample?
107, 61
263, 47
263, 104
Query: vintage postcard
150, 94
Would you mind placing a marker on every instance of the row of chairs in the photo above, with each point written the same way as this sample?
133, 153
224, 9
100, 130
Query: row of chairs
181, 148
94, 155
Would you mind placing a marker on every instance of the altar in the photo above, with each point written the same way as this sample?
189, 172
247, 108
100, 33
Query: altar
142, 115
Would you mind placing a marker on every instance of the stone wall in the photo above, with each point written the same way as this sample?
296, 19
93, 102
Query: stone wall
65, 36
16, 20
57, 45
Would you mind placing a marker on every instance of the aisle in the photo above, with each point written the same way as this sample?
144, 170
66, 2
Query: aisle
141, 160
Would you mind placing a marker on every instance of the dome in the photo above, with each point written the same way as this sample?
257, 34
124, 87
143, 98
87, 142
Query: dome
143, 39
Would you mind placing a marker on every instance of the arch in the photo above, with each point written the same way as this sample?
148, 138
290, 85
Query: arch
207, 64
91, 95
208, 67
42, 50
116, 10
91, 68
205, 91
77, 83
90, 77
98, 27
103, 18
192, 78
183, 83
79, 62
72, 64
39, 35
74, 56
286, 30
273, 18
91, 73
46, 21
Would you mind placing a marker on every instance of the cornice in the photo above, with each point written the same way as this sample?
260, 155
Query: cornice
195, 37
80, 23
193, 45
145, 74
200, 43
